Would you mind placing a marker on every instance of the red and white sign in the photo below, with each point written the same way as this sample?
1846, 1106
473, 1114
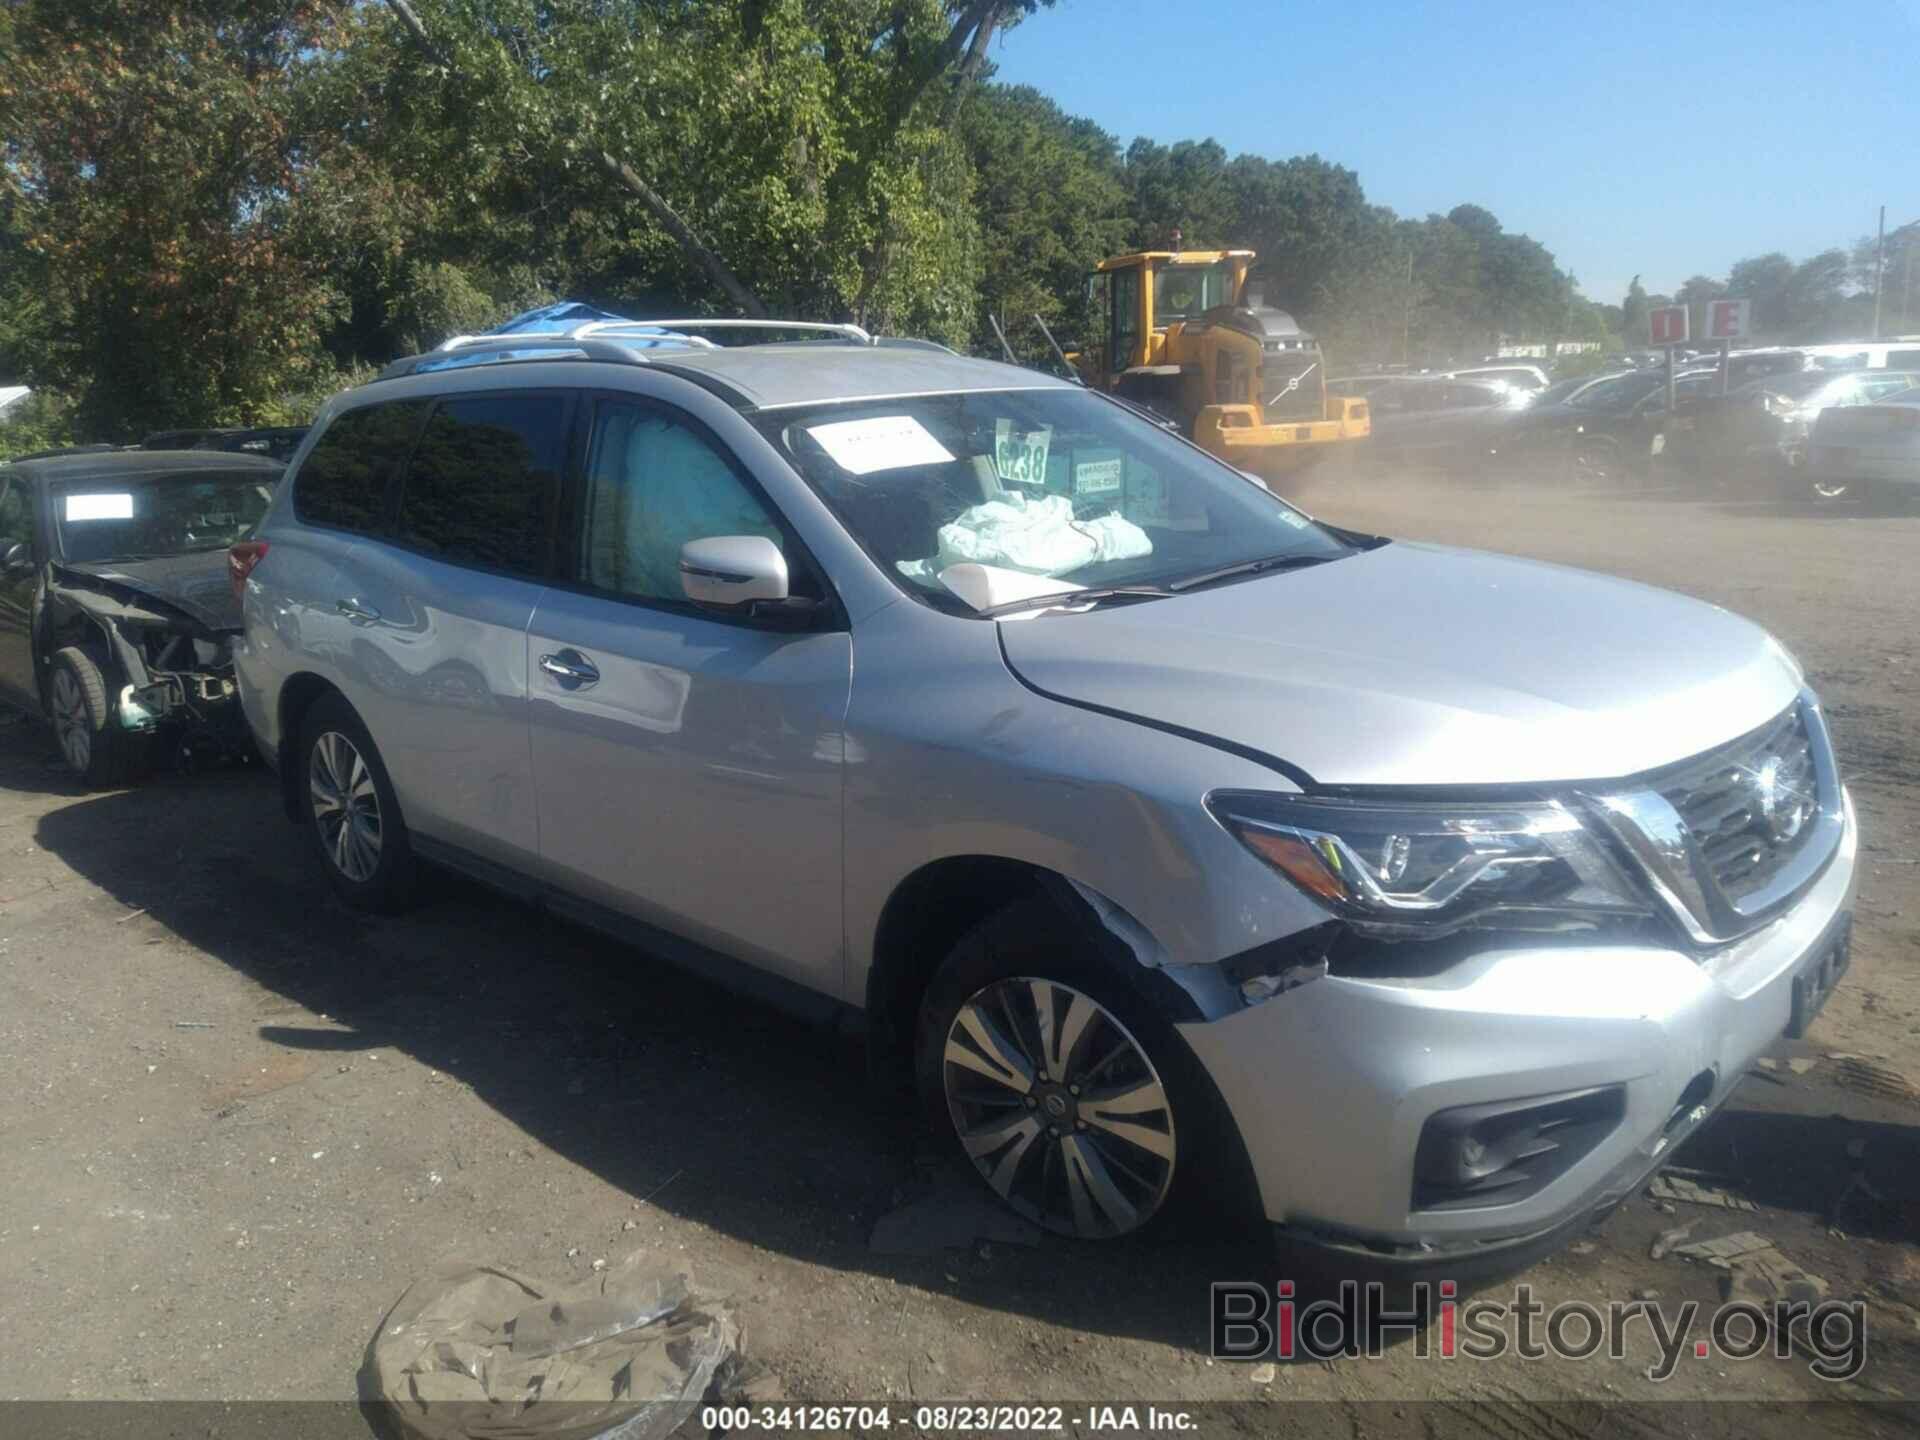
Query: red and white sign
1728, 319
1668, 325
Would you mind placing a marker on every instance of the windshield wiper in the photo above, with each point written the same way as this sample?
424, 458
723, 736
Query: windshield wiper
1261, 566
1079, 597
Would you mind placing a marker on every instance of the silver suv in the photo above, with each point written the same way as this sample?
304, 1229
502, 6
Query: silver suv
1178, 844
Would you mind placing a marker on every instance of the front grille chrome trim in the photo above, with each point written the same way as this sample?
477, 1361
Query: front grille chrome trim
1649, 819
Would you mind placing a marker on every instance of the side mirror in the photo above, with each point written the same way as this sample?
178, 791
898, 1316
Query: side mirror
733, 571
17, 559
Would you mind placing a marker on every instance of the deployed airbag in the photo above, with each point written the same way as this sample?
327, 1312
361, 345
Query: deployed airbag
1040, 536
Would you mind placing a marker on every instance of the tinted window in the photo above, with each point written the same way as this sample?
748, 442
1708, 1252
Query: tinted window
653, 484
483, 478
1903, 359
343, 481
16, 517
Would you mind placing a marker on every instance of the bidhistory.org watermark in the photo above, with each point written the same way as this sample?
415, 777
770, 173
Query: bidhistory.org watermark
1252, 1321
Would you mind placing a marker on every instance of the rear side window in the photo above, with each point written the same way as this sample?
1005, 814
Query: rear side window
484, 477
344, 480
16, 519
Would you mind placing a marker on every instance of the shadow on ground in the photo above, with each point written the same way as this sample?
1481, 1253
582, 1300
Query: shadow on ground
716, 1108
719, 1109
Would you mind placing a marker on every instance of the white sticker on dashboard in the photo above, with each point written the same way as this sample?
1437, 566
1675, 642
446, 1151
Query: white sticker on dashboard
881, 442
1096, 477
99, 507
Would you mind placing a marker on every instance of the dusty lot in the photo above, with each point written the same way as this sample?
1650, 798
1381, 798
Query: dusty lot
236, 1120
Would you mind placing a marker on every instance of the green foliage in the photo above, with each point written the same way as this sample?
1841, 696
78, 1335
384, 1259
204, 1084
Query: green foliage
42, 421
1051, 203
219, 211
158, 178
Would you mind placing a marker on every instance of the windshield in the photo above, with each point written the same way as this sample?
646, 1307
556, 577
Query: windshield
141, 518
1618, 393
1058, 484
1181, 292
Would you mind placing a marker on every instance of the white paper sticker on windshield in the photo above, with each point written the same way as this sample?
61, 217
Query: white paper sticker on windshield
1293, 517
882, 442
99, 507
1021, 457
1096, 477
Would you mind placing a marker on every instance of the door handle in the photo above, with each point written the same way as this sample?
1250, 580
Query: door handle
570, 669
354, 610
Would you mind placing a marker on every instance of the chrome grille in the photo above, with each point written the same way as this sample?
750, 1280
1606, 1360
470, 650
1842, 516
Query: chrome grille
1748, 806
1730, 838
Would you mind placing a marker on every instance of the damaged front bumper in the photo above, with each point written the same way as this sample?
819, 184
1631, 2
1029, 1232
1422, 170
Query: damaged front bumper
1344, 1089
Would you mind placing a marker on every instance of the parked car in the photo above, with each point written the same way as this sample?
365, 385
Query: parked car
277, 442
116, 614
1530, 378
1129, 810
1871, 449
1422, 420
1757, 435
1615, 426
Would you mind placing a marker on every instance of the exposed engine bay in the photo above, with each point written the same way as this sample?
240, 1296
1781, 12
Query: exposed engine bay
170, 676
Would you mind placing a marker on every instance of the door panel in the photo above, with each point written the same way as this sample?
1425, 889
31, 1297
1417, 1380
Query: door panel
435, 660
18, 684
438, 618
687, 763
696, 784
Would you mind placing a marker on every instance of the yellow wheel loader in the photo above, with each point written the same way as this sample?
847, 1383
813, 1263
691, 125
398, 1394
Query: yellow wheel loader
1188, 337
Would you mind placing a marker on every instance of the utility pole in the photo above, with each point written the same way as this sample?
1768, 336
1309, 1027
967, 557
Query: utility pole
1906, 288
1406, 314
1879, 271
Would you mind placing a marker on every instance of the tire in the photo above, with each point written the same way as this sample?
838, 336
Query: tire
350, 810
1596, 463
96, 749
1160, 1141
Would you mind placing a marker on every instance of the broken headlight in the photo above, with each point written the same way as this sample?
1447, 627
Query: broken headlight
1422, 869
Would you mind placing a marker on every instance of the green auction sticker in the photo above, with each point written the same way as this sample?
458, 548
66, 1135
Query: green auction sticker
1021, 457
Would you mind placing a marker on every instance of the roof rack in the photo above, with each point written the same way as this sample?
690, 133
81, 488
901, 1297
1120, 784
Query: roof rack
611, 328
606, 340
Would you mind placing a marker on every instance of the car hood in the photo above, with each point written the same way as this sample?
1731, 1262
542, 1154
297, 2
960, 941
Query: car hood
1414, 665
196, 585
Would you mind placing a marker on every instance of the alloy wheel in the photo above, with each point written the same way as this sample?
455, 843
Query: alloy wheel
72, 725
1059, 1108
346, 805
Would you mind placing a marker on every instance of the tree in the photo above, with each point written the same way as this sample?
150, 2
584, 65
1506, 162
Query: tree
164, 190
1767, 281
1633, 313
1050, 202
1181, 187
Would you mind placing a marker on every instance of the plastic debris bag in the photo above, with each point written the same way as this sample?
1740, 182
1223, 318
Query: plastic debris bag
475, 1352
1037, 535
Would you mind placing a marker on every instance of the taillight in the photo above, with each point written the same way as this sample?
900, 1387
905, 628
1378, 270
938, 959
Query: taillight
241, 559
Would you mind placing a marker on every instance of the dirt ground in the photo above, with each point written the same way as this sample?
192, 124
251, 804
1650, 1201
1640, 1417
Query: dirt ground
236, 1119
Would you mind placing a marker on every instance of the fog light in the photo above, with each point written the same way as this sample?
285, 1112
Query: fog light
1495, 1154
134, 715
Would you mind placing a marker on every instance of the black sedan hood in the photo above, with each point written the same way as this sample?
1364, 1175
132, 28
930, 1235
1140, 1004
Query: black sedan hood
196, 584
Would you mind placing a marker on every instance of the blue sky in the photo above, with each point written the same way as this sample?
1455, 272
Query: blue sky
1659, 140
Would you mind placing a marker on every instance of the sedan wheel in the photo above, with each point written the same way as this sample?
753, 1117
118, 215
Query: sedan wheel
72, 724
346, 805
1059, 1108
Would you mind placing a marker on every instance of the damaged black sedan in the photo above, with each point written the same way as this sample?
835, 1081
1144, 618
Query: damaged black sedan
116, 613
